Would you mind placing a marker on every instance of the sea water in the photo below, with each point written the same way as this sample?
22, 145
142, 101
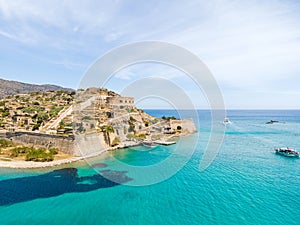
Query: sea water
246, 183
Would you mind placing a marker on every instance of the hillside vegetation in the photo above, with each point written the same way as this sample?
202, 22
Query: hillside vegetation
33, 110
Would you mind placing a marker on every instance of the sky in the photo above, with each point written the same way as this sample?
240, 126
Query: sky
252, 48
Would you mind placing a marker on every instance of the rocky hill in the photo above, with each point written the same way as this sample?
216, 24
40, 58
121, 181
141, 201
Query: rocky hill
32, 110
8, 88
95, 116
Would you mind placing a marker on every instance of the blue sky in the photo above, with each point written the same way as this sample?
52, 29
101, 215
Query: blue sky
251, 47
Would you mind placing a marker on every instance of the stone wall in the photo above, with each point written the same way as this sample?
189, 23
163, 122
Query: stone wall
187, 125
64, 144
118, 100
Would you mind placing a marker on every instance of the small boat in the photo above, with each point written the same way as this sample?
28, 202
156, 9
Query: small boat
226, 121
163, 142
149, 144
272, 121
288, 152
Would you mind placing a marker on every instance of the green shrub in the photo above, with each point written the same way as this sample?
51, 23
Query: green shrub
36, 126
86, 118
131, 128
42, 116
32, 109
4, 112
130, 136
39, 155
62, 125
168, 118
132, 119
141, 136
23, 149
116, 141
4, 143
34, 154
54, 111
53, 151
14, 153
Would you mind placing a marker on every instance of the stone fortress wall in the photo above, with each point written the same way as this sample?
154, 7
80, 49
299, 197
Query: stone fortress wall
187, 125
118, 100
64, 144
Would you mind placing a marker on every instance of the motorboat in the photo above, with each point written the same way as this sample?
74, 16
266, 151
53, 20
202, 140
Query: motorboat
226, 121
272, 121
288, 152
149, 144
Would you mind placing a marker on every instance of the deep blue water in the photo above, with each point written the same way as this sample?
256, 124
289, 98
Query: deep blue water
246, 183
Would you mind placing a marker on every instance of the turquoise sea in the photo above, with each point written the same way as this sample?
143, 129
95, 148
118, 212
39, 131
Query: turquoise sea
246, 183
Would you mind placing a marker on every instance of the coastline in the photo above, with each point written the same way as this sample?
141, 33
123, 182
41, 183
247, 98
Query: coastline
36, 165
117, 124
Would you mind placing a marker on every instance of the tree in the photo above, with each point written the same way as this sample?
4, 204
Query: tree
141, 137
36, 126
42, 116
131, 128
62, 125
106, 131
80, 128
132, 119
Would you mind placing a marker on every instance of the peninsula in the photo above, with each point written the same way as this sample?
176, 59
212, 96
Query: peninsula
48, 128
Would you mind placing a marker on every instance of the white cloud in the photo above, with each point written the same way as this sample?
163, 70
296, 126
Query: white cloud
248, 45
7, 35
52, 21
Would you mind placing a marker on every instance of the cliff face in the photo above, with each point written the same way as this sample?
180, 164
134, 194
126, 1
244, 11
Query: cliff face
8, 87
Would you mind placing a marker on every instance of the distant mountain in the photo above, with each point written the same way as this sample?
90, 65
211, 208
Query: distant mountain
8, 87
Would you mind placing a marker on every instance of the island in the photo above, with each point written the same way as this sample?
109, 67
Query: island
40, 129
